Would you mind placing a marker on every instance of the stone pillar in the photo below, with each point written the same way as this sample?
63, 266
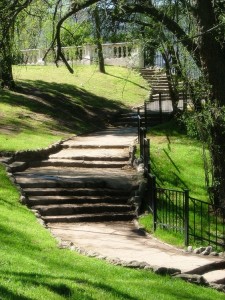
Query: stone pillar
88, 54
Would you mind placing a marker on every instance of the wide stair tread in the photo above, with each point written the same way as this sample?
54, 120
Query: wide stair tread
215, 276
74, 191
106, 217
88, 199
79, 163
93, 154
70, 209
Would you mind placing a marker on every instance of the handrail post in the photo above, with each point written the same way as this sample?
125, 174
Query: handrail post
139, 123
186, 217
160, 107
154, 202
145, 113
148, 155
142, 137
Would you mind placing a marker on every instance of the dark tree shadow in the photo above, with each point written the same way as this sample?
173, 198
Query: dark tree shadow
73, 109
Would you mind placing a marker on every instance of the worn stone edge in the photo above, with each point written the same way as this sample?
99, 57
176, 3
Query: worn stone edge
28, 155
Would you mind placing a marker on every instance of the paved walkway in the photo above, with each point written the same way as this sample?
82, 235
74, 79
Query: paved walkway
123, 241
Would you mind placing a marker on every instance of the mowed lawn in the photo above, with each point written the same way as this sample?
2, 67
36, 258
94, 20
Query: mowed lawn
32, 266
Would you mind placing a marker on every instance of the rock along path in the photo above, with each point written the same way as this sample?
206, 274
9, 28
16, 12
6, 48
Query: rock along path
123, 243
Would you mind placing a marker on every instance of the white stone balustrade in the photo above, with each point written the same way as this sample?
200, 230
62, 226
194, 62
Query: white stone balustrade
119, 54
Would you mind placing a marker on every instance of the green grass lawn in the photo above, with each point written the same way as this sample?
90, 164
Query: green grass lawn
50, 104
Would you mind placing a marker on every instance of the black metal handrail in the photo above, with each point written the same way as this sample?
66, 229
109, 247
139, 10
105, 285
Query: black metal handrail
207, 223
176, 210
197, 220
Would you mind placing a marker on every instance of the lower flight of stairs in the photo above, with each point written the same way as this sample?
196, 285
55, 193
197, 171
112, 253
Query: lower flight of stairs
83, 182
127, 118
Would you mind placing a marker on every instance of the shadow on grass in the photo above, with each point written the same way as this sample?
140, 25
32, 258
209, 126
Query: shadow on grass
61, 289
73, 109
82, 289
172, 128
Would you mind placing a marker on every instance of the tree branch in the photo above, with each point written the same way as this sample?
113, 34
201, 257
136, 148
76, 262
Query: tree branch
172, 26
74, 9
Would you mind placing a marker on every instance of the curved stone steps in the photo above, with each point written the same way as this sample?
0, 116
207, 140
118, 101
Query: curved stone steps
89, 178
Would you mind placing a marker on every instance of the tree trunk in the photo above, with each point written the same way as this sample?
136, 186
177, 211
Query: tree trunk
213, 61
101, 62
6, 75
218, 161
211, 50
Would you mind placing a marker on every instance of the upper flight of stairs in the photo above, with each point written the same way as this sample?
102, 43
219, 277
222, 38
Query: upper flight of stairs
158, 82
89, 180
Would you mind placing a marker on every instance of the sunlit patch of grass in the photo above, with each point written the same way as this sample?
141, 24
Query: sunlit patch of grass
177, 160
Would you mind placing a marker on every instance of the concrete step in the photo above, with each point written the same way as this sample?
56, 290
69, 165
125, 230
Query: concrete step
59, 183
153, 78
73, 209
90, 154
78, 163
76, 192
88, 146
88, 199
107, 217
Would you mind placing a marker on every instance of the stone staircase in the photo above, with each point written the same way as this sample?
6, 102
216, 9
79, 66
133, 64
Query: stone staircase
89, 180
159, 84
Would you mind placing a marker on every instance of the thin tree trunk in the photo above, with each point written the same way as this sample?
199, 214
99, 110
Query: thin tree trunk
101, 62
6, 74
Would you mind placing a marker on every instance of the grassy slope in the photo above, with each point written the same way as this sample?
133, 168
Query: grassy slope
51, 103
31, 264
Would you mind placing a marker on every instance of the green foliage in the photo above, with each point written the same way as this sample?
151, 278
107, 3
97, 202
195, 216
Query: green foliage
76, 34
